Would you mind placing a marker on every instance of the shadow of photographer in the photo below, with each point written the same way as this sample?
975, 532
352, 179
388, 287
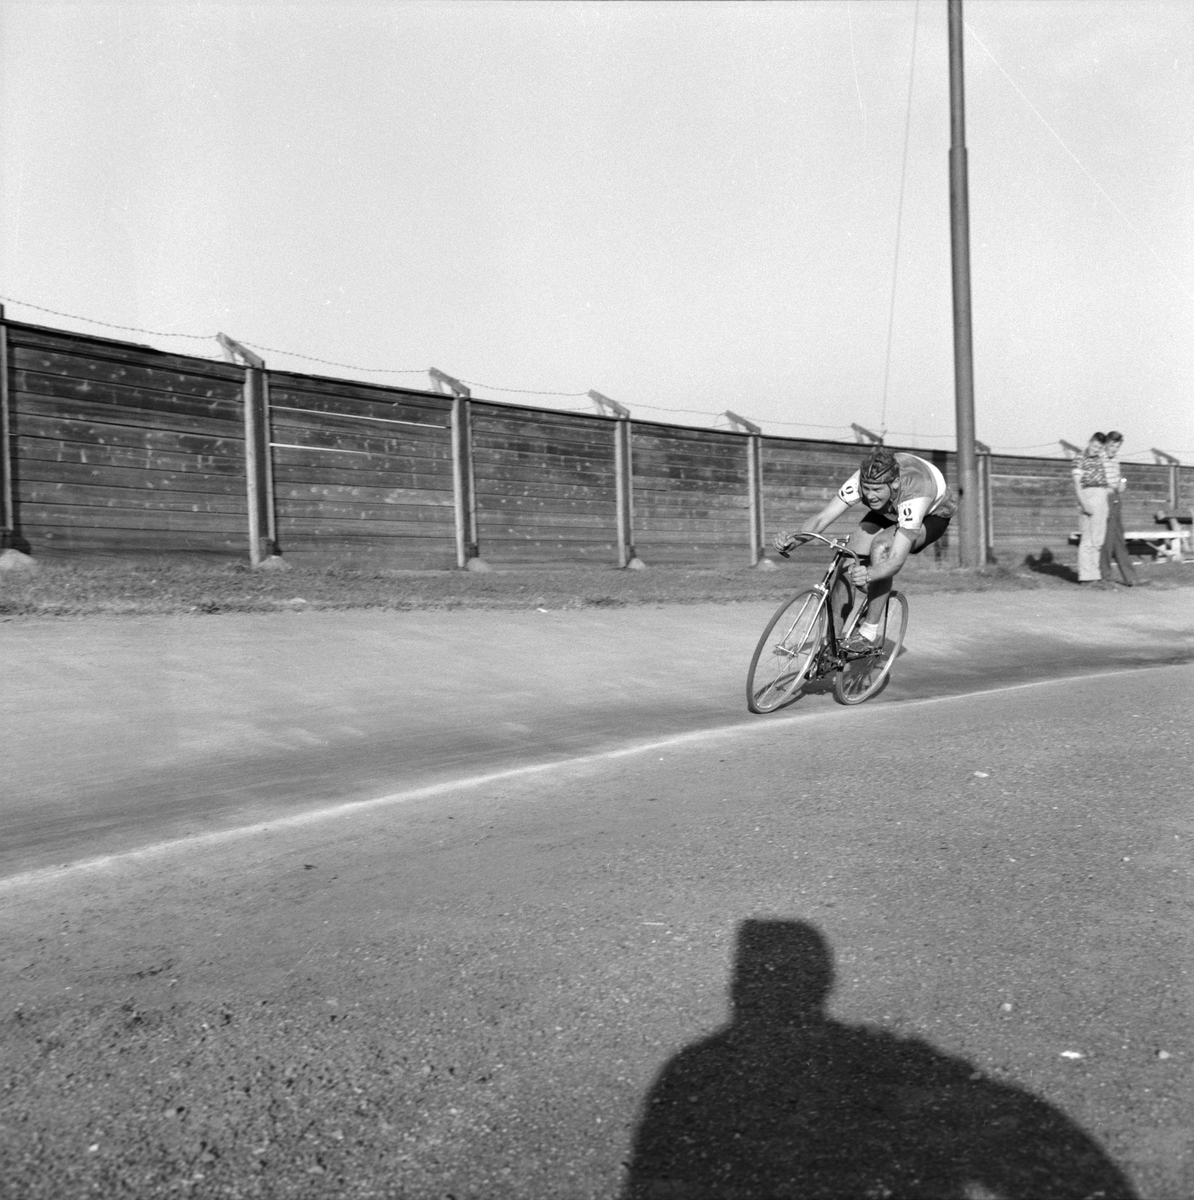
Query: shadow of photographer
785, 1101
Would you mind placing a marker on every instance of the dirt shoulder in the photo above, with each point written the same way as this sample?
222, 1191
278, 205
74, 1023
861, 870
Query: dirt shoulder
163, 586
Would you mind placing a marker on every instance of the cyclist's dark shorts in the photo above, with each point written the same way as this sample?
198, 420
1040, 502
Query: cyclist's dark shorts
934, 526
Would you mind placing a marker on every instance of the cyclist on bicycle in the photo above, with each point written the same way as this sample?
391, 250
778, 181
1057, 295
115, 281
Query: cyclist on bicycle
909, 507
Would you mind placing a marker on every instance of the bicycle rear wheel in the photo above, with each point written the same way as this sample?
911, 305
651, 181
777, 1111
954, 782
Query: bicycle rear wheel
786, 652
862, 677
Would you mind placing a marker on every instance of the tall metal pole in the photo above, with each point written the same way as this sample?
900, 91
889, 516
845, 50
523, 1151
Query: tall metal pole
970, 548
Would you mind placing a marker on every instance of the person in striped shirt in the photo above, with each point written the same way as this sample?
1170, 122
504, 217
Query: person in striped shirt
1090, 486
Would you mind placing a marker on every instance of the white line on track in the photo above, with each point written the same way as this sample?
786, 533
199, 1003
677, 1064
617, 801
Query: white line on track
350, 807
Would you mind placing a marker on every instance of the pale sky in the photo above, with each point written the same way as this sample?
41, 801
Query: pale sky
682, 206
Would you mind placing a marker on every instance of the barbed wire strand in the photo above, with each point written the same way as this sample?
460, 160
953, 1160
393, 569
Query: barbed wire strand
490, 387
197, 337
202, 337
327, 362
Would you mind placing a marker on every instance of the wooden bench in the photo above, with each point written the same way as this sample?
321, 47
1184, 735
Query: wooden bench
1166, 543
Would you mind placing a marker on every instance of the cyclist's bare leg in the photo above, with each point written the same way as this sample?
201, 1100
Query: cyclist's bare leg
878, 591
860, 541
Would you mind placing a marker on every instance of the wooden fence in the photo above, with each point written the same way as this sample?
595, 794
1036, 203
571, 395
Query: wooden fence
111, 447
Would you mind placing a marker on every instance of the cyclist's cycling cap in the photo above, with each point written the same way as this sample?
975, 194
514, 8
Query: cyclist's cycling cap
879, 467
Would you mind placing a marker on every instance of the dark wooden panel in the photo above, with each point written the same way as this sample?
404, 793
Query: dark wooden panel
381, 445
530, 551
285, 417
79, 516
53, 343
325, 527
514, 504
382, 493
287, 477
531, 419
678, 434
365, 510
716, 531
534, 434
547, 489
104, 479
318, 389
39, 453
54, 539
685, 491
320, 466
91, 422
33, 494
132, 386
502, 464
664, 460
564, 454
579, 524
368, 553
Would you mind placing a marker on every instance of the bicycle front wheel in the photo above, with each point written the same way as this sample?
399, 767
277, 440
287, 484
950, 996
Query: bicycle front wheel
786, 652
862, 677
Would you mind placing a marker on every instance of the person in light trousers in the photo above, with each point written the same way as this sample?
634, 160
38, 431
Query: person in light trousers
1090, 486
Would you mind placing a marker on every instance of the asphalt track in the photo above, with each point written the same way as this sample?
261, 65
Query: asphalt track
122, 733
562, 921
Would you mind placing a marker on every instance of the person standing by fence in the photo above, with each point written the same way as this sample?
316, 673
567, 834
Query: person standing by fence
1090, 486
1114, 546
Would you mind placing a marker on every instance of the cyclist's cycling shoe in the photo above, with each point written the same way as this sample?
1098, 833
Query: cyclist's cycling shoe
857, 644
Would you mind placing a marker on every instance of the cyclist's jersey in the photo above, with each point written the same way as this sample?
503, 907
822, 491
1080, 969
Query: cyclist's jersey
919, 491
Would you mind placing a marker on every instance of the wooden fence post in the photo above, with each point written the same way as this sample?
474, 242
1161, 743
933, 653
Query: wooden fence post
14, 550
1161, 457
623, 479
986, 510
259, 473
6, 489
464, 479
754, 482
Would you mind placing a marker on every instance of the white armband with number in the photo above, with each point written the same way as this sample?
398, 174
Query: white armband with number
850, 492
912, 512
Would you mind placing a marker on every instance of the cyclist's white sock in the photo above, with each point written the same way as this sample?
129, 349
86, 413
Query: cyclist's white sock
869, 631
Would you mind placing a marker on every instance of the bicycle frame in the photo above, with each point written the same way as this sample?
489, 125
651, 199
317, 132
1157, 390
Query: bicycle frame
830, 657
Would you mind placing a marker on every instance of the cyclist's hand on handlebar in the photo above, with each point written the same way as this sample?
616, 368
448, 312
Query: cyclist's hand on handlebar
857, 575
784, 541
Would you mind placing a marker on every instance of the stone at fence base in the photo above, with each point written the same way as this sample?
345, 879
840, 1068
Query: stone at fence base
14, 560
478, 565
274, 562
636, 564
765, 564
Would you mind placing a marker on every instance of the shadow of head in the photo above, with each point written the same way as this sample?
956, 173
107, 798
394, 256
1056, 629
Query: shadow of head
783, 972
1046, 564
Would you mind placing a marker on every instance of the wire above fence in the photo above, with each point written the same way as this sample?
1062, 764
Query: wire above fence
841, 428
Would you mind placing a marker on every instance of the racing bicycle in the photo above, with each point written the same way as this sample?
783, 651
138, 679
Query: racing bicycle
804, 640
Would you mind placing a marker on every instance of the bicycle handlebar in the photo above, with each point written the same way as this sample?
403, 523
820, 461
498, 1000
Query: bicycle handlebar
841, 547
